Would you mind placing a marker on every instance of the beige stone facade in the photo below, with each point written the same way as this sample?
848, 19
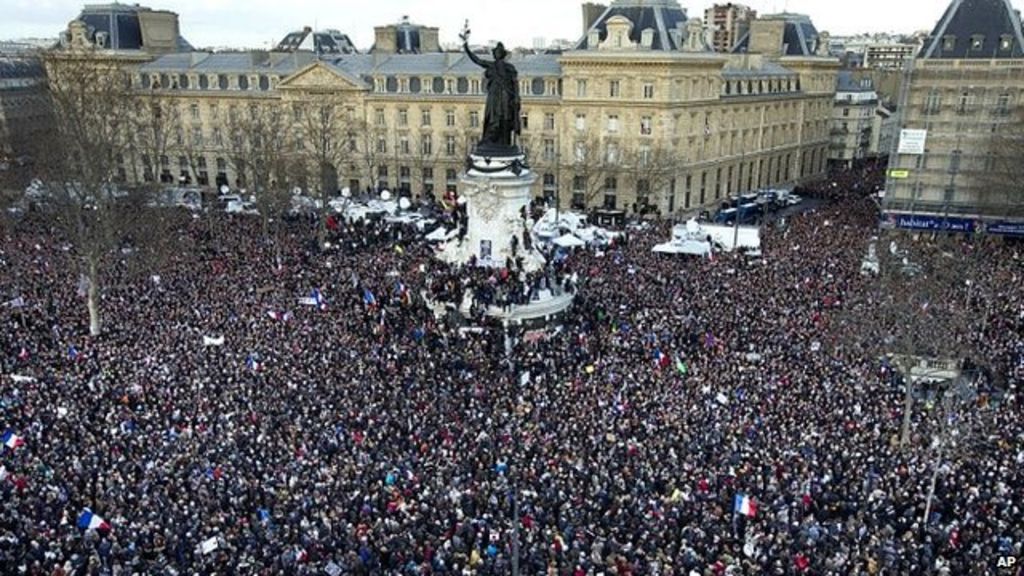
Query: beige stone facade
622, 125
964, 96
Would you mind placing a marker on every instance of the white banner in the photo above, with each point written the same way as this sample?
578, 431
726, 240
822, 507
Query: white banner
912, 142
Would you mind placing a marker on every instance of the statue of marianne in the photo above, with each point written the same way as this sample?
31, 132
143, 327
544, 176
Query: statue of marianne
501, 116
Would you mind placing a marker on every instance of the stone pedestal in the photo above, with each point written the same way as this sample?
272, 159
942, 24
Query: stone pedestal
496, 190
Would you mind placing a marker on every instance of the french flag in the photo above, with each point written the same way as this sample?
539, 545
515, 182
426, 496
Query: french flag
89, 521
318, 299
660, 358
73, 353
253, 362
12, 440
745, 505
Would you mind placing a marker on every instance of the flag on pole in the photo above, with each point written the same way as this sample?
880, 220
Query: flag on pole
745, 505
318, 299
368, 298
73, 353
253, 362
89, 521
12, 440
681, 366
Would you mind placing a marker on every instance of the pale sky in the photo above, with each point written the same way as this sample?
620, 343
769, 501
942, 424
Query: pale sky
257, 23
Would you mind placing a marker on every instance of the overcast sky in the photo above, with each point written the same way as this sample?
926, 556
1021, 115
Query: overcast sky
256, 23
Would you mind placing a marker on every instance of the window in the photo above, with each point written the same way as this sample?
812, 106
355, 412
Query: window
243, 82
1005, 43
193, 111
948, 43
222, 81
977, 43
645, 156
204, 82
449, 118
428, 175
382, 145
549, 149
549, 121
474, 119
648, 91
932, 102
451, 176
403, 117
965, 103
425, 117
581, 122
264, 83
462, 85
449, 145
846, 112
379, 117
613, 123
426, 145
415, 85
645, 125
403, 145
197, 135
949, 194
549, 183
580, 152
612, 152
581, 88
614, 89
1002, 104
524, 122
611, 186
218, 138
954, 162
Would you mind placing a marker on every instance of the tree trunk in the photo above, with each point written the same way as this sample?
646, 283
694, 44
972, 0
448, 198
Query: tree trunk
931, 488
908, 405
93, 299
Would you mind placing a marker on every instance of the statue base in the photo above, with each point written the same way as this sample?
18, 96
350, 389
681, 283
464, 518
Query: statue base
496, 190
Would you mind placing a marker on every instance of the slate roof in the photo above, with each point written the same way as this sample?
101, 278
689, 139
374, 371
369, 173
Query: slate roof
321, 42
120, 22
976, 29
662, 16
799, 36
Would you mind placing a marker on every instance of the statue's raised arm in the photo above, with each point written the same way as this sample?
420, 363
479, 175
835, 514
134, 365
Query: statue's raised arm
501, 115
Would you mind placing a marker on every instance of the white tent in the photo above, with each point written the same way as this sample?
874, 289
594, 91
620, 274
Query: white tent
568, 241
691, 247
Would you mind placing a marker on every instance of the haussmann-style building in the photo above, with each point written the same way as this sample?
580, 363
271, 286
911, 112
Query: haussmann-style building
961, 107
640, 115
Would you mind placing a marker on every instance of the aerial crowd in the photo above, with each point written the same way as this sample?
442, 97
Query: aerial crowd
692, 417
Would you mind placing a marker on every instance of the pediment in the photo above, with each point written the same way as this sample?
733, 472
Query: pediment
322, 76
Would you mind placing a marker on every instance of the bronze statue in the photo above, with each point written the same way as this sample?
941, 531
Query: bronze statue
501, 116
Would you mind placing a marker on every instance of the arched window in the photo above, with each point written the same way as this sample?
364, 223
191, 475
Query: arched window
243, 82
462, 85
183, 81
415, 85
204, 82
264, 83
438, 85
537, 87
222, 81
391, 84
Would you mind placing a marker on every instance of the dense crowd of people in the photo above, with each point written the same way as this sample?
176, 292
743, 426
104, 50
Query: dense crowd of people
218, 425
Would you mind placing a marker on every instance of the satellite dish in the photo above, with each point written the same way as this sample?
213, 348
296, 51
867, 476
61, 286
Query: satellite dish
224, 189
404, 203
346, 192
385, 195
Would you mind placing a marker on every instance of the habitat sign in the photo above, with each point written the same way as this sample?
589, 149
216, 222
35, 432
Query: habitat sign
932, 223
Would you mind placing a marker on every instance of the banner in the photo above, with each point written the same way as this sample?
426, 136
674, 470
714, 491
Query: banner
912, 142
933, 223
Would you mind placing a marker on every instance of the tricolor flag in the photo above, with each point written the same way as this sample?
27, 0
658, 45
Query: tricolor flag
73, 353
12, 440
89, 521
660, 358
253, 362
318, 299
279, 316
745, 505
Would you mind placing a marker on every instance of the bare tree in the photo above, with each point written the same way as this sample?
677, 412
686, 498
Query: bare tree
258, 152
155, 122
596, 167
919, 311
374, 148
1003, 179
652, 169
81, 164
327, 134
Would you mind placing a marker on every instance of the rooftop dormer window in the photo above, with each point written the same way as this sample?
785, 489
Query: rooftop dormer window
977, 43
1005, 43
948, 43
